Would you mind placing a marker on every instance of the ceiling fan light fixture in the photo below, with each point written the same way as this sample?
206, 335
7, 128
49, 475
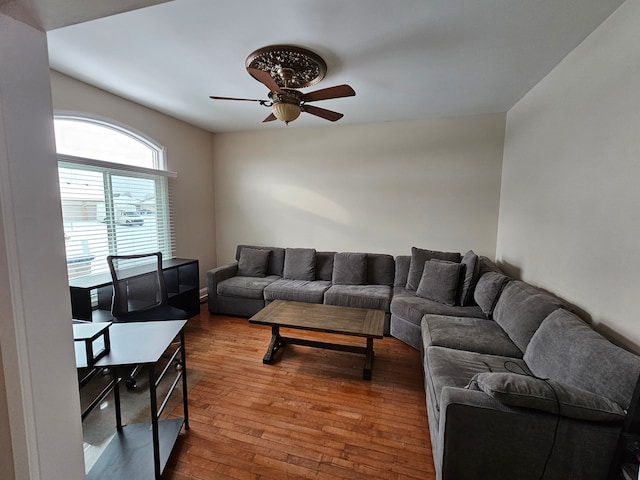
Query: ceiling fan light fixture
286, 112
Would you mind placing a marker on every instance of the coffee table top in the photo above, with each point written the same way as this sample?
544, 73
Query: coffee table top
359, 322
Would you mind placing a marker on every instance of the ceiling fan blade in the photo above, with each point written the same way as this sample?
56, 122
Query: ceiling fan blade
338, 91
270, 118
321, 112
240, 99
265, 78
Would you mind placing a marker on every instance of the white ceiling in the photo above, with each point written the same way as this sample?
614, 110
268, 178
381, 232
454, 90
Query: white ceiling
406, 59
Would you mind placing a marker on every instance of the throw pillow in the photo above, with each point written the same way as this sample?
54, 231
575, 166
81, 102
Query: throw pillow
548, 396
468, 278
488, 290
439, 281
349, 269
253, 262
299, 264
418, 258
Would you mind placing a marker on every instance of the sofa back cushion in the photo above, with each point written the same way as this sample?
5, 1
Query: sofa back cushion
324, 265
299, 264
468, 278
419, 256
568, 350
521, 309
488, 290
380, 269
487, 265
253, 262
349, 269
402, 270
276, 259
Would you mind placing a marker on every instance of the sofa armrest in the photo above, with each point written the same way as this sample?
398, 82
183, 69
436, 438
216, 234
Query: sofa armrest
215, 276
478, 437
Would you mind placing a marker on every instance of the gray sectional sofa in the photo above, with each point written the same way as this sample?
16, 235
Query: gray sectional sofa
526, 390
261, 275
517, 386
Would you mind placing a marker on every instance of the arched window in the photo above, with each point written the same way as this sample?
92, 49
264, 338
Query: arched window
115, 193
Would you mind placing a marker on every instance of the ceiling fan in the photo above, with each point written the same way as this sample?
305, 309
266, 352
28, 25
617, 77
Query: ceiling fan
283, 69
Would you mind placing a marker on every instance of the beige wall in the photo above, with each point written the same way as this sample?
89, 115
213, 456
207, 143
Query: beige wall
373, 188
188, 154
569, 213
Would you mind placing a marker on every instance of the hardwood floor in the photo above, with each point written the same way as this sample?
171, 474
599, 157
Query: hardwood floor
309, 415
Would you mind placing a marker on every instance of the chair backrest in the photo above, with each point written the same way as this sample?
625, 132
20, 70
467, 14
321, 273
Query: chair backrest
138, 283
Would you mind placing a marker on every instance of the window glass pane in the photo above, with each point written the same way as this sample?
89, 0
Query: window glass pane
101, 142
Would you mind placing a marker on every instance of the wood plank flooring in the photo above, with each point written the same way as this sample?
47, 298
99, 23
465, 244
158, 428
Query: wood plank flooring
310, 415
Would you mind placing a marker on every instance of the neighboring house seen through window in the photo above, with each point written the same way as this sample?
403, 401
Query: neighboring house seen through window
115, 193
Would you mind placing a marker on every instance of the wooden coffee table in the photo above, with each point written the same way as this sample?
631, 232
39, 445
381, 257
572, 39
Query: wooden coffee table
357, 322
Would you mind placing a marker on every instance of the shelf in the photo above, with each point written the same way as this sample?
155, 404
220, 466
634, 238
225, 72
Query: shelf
129, 453
181, 277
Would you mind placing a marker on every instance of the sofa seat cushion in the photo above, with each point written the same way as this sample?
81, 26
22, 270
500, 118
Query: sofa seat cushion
524, 391
376, 297
297, 290
245, 287
464, 333
447, 367
408, 306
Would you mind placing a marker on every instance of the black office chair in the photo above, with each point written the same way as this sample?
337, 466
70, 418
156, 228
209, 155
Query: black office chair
139, 293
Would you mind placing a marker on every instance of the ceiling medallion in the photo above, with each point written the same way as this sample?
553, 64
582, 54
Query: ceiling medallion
289, 66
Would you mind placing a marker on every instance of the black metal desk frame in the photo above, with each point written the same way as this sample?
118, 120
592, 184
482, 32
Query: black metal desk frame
143, 344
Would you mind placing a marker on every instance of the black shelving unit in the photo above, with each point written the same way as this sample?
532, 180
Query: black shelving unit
182, 279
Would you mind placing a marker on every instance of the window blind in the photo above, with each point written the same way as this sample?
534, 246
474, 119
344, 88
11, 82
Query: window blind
111, 209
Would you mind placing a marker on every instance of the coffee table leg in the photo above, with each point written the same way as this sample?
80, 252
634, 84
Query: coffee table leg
275, 345
368, 363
